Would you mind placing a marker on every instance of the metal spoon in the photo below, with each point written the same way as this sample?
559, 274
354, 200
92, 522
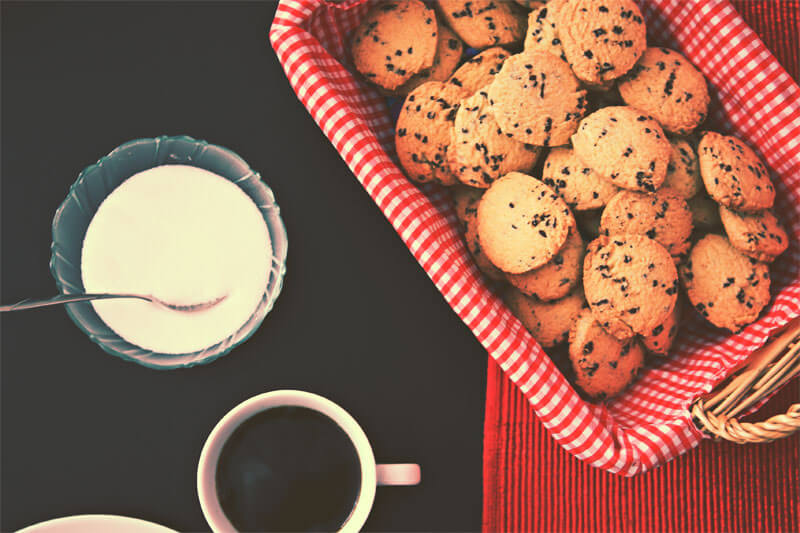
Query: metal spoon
84, 297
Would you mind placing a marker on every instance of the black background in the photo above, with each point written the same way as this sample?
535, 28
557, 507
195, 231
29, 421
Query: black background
358, 320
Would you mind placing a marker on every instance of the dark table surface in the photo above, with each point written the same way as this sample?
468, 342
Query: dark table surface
358, 320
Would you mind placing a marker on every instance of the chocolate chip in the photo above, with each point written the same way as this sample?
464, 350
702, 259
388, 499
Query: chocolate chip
670, 82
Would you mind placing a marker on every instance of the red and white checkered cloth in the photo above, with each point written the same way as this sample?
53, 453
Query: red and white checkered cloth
752, 97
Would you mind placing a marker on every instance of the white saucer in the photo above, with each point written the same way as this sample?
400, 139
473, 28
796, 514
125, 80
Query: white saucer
96, 523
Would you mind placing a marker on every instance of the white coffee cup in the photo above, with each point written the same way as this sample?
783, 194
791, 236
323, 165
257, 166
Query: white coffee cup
372, 474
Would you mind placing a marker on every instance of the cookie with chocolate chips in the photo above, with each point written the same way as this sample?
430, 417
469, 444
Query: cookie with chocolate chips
725, 286
479, 71
580, 186
663, 216
484, 23
758, 235
479, 153
470, 213
542, 34
448, 54
422, 134
604, 365
733, 174
660, 340
548, 322
536, 99
557, 277
522, 223
395, 41
631, 284
666, 85
601, 39
683, 172
625, 146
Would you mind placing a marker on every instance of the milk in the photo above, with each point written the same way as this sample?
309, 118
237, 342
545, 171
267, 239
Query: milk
186, 236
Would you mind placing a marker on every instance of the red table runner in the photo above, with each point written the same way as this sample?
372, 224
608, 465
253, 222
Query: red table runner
531, 483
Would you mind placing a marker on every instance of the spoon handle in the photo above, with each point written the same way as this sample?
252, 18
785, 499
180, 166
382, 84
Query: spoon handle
65, 299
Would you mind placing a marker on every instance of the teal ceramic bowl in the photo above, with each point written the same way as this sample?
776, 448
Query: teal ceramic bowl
97, 181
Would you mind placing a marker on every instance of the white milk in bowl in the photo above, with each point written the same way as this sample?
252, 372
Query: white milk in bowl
186, 236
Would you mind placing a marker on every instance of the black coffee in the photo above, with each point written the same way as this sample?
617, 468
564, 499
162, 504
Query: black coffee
288, 469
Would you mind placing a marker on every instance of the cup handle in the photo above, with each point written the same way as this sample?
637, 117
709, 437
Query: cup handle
398, 474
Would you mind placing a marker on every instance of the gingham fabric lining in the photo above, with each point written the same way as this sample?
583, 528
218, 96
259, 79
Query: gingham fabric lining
650, 424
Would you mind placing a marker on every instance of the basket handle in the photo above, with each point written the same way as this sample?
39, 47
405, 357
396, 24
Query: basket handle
768, 369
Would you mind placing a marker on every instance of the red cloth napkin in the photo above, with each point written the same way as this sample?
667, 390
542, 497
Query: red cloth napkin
531, 483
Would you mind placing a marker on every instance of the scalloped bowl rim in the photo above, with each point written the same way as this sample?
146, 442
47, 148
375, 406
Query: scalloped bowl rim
149, 358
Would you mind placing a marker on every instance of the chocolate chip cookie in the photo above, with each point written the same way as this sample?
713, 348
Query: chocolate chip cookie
604, 365
663, 216
479, 153
758, 235
479, 71
548, 322
625, 146
448, 54
422, 134
395, 41
733, 174
683, 172
666, 85
660, 340
484, 23
579, 185
557, 277
542, 34
725, 286
536, 99
631, 284
601, 39
522, 223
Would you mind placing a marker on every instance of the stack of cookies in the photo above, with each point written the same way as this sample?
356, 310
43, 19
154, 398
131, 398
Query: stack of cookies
571, 150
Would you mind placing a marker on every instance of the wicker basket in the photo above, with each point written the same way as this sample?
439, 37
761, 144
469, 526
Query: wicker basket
767, 370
